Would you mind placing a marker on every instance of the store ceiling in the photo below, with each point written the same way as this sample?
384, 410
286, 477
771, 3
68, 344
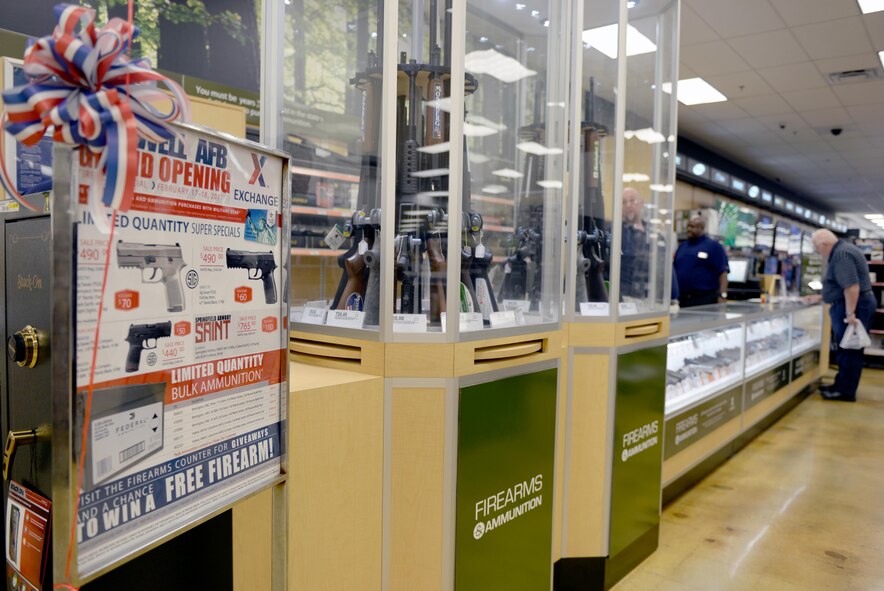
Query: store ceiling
771, 58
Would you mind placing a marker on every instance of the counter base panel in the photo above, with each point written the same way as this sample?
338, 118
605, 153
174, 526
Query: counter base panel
689, 457
600, 573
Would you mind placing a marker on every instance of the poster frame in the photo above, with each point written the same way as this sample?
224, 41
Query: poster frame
64, 202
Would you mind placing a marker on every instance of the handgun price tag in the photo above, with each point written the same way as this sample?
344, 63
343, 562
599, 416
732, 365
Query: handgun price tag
314, 315
345, 318
335, 237
504, 319
628, 308
409, 322
594, 308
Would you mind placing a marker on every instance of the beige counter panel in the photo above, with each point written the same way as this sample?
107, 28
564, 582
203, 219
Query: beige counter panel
586, 501
252, 542
335, 480
699, 451
766, 406
417, 489
627, 332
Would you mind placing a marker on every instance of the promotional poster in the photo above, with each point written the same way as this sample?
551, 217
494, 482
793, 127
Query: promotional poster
27, 534
187, 408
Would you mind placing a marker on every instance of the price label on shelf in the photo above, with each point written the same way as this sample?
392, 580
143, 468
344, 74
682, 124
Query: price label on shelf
314, 316
409, 323
345, 318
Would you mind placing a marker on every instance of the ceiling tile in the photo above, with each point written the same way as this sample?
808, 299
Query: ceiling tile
756, 106
732, 19
740, 84
716, 111
712, 58
805, 12
772, 48
875, 26
693, 29
793, 77
862, 93
743, 126
868, 118
833, 38
812, 98
859, 61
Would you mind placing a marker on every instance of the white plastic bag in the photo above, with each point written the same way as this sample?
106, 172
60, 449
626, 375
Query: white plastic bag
855, 337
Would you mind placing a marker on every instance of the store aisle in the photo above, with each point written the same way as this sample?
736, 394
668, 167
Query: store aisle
801, 508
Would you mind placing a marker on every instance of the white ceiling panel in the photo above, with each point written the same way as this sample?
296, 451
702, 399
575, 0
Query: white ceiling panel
869, 118
732, 19
834, 38
758, 106
743, 126
805, 12
771, 48
740, 84
693, 29
811, 98
845, 63
864, 93
793, 77
712, 58
874, 24
827, 117
718, 111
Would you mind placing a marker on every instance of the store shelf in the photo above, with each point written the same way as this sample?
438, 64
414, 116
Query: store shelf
700, 394
876, 331
767, 364
334, 212
874, 351
316, 252
325, 174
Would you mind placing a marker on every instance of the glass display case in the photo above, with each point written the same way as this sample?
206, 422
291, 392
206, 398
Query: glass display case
715, 348
428, 166
807, 327
621, 196
767, 342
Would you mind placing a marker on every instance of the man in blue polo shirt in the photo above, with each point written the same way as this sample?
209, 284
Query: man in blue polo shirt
848, 288
701, 267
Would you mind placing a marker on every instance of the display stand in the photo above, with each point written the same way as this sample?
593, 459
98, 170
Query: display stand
426, 316
617, 292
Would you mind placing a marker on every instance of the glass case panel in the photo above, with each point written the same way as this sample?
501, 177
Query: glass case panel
807, 329
423, 173
767, 342
648, 158
515, 152
332, 115
592, 181
701, 364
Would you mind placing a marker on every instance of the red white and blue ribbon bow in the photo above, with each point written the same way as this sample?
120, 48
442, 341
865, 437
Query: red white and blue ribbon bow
84, 86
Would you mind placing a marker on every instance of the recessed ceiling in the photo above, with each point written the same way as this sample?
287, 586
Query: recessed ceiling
772, 58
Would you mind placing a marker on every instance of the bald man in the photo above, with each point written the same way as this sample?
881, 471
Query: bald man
701, 267
848, 288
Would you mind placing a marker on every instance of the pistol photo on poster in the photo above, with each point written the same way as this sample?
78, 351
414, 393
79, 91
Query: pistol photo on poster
14, 521
144, 336
260, 266
163, 260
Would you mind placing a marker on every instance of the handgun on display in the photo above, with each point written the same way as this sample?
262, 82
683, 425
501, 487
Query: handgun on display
144, 336
164, 261
260, 266
593, 241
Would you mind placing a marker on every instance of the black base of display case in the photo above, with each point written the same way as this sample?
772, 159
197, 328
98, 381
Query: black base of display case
600, 573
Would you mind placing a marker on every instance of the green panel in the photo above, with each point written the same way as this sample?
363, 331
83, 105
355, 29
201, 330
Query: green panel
766, 384
689, 426
804, 364
638, 446
505, 461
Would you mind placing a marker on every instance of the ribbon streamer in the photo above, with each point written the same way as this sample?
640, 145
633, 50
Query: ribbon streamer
86, 90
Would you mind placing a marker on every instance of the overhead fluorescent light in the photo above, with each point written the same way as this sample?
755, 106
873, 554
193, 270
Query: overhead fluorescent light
869, 6
550, 184
658, 188
881, 57
508, 173
494, 189
695, 91
478, 158
424, 174
471, 130
647, 135
497, 65
435, 148
874, 216
635, 177
537, 149
605, 40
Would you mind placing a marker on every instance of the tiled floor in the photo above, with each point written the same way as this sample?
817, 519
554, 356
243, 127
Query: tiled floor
799, 508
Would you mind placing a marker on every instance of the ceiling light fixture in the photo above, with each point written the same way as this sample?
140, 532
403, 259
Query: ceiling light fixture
605, 40
874, 216
881, 57
695, 91
869, 6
